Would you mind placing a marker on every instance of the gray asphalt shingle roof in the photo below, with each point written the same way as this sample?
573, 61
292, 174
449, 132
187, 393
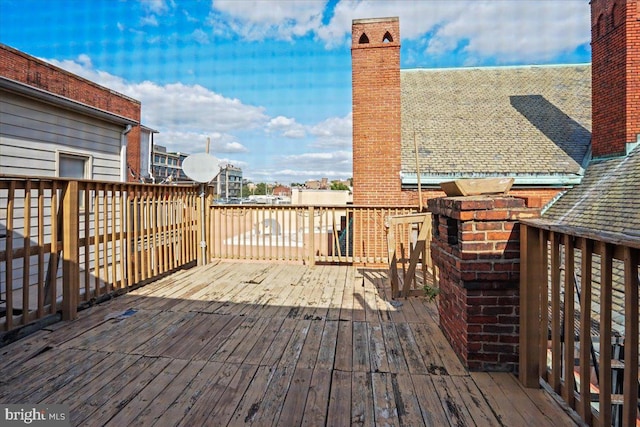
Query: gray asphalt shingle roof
608, 199
513, 121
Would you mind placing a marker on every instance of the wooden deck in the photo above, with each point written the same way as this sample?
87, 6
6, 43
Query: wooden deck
263, 344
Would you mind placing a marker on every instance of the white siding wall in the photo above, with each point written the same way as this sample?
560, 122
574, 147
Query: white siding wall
32, 131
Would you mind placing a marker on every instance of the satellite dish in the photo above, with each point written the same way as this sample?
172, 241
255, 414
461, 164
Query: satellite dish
200, 167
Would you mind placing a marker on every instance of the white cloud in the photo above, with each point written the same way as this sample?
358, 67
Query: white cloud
416, 17
200, 36
338, 156
155, 6
195, 107
196, 142
302, 167
334, 132
149, 20
510, 30
190, 17
287, 127
256, 20
85, 61
176, 107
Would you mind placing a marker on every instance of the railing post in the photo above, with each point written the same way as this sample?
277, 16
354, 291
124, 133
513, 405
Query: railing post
312, 240
630, 407
70, 253
202, 255
208, 223
531, 275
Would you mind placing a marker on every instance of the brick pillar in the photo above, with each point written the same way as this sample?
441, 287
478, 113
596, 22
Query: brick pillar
476, 247
375, 59
375, 62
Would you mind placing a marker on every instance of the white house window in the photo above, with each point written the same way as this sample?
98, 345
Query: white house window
71, 165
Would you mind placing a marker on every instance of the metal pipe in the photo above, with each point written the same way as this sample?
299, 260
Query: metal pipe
123, 153
415, 143
203, 240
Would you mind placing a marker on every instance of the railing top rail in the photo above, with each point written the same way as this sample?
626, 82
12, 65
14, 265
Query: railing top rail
7, 178
267, 205
620, 239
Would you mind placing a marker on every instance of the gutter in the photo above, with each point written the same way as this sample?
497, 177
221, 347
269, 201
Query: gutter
411, 179
150, 166
149, 148
123, 153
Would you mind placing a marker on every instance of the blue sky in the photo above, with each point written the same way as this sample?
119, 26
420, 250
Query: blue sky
270, 81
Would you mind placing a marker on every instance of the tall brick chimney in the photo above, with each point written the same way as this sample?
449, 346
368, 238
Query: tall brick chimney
375, 58
615, 45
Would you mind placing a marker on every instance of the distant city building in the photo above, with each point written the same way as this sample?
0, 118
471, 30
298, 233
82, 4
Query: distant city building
314, 184
228, 182
282, 191
167, 166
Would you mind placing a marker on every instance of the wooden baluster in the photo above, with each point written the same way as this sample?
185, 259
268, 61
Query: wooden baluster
41, 276
87, 242
584, 408
26, 259
544, 304
556, 349
9, 255
604, 382
114, 217
569, 321
630, 407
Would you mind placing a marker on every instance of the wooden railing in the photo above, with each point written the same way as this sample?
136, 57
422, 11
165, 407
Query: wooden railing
408, 243
65, 243
308, 234
579, 319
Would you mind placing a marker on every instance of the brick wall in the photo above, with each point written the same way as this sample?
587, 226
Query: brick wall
615, 35
376, 112
476, 247
26, 69
410, 197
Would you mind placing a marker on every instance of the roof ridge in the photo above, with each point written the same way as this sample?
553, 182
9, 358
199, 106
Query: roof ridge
494, 67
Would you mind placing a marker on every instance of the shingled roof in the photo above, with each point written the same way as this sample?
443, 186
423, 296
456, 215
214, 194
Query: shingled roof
528, 122
607, 200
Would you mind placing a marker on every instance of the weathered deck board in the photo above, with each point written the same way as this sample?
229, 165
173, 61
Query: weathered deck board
262, 344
